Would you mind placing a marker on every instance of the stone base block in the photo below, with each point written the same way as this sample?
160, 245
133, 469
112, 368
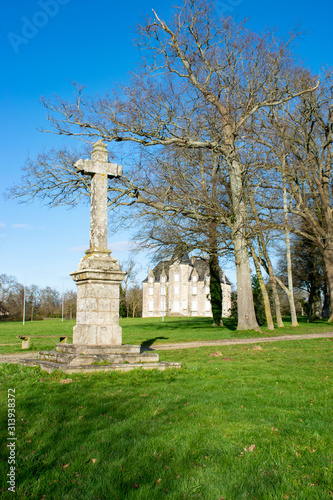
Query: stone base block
98, 349
97, 334
71, 358
49, 366
86, 359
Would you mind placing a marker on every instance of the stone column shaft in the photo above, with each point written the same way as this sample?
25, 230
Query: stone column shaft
98, 213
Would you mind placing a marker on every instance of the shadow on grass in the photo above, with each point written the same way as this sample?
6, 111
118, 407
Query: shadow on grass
147, 343
230, 324
181, 323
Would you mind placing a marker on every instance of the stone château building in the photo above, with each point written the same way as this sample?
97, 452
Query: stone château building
181, 288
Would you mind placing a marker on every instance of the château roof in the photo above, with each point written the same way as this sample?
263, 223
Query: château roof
163, 265
201, 266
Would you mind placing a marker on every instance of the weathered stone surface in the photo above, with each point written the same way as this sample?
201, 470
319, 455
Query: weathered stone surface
49, 366
99, 169
96, 349
66, 358
71, 358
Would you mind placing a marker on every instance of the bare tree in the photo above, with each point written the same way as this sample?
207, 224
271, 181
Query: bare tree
301, 138
134, 298
202, 83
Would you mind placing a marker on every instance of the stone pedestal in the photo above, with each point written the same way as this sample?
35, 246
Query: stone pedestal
98, 280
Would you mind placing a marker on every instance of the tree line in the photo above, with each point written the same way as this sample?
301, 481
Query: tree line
227, 141
35, 302
50, 303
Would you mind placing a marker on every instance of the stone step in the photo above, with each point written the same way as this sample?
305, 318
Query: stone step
49, 366
98, 349
83, 360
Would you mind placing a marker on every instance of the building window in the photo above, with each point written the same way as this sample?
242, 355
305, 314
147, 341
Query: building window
176, 277
176, 289
194, 278
184, 306
163, 305
207, 290
151, 306
151, 279
176, 306
162, 279
150, 291
208, 305
194, 305
194, 290
163, 290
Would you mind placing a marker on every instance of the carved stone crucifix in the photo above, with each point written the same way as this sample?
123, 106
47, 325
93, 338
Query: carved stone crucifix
99, 169
98, 276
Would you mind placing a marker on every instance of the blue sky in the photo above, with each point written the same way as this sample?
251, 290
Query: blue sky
45, 45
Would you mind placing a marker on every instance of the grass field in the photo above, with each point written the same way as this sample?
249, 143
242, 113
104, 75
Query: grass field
148, 331
236, 422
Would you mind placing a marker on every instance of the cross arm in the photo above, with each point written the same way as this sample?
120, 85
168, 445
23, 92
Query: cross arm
98, 167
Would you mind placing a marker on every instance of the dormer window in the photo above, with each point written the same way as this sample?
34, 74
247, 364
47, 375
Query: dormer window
194, 278
151, 279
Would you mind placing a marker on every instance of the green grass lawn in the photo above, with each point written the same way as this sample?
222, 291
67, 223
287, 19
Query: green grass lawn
149, 331
236, 422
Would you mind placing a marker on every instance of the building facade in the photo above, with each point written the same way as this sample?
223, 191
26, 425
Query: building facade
181, 288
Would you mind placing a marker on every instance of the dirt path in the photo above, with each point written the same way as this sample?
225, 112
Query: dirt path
257, 340
16, 357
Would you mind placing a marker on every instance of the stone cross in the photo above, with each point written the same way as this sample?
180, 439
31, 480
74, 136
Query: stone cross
99, 169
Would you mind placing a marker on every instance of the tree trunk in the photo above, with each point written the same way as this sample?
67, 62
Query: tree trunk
215, 282
289, 266
328, 259
326, 306
246, 314
268, 311
274, 288
310, 302
267, 262
277, 303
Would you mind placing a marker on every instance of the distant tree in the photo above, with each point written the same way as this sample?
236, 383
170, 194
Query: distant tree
122, 303
309, 273
11, 294
234, 309
32, 294
70, 304
131, 267
50, 302
134, 300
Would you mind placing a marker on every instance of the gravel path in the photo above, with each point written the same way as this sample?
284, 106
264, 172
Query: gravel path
257, 340
17, 357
